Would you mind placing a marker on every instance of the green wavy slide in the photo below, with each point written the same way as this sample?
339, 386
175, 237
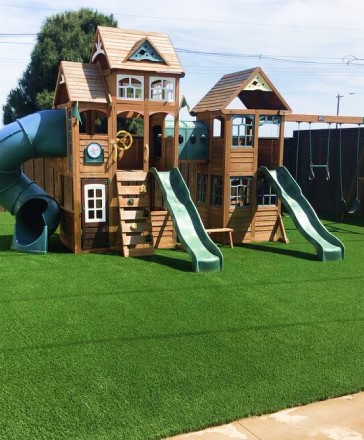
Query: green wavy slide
205, 255
328, 247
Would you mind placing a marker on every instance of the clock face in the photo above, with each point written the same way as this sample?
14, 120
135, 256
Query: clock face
94, 150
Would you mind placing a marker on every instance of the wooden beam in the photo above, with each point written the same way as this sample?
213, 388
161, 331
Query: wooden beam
294, 117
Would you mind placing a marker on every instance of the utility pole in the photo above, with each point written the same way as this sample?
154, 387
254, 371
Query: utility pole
338, 97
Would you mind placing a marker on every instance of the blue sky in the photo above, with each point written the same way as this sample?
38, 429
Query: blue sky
300, 44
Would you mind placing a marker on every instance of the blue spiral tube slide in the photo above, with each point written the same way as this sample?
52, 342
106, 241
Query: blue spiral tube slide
41, 134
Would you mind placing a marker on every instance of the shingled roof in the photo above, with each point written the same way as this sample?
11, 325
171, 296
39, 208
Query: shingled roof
80, 82
117, 45
251, 86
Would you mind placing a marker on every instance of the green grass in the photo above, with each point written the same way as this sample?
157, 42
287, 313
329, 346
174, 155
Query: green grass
102, 347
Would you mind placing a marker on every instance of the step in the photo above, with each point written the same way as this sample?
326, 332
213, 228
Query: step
131, 175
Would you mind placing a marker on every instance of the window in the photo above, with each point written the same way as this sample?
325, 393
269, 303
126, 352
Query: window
242, 131
265, 195
130, 87
216, 190
162, 89
269, 126
218, 127
95, 203
240, 191
201, 188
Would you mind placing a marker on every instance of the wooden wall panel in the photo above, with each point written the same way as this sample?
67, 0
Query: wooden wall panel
204, 212
241, 162
94, 169
169, 153
67, 232
164, 236
268, 153
217, 156
240, 221
265, 220
216, 217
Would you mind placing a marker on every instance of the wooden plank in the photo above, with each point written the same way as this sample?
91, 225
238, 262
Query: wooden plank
140, 202
139, 227
141, 252
129, 189
135, 239
133, 214
131, 176
293, 117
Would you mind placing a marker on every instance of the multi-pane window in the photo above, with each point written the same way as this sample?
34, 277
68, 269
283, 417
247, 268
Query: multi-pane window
201, 188
240, 191
130, 87
95, 203
265, 195
216, 190
162, 89
242, 131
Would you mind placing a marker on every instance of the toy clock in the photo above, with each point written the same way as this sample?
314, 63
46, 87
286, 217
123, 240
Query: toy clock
93, 154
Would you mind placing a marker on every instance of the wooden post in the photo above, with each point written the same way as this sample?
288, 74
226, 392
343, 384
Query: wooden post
255, 176
77, 197
226, 173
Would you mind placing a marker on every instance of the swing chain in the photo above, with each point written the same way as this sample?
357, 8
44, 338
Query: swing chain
326, 165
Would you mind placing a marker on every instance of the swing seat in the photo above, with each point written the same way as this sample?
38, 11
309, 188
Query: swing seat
354, 207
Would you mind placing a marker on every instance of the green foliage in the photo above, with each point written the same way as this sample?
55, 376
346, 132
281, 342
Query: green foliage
67, 36
134, 126
103, 347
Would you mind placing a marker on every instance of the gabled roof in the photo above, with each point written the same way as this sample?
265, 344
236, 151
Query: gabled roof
117, 45
80, 82
252, 87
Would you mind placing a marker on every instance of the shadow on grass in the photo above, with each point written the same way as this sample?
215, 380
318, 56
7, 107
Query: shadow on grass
55, 245
279, 250
169, 261
5, 242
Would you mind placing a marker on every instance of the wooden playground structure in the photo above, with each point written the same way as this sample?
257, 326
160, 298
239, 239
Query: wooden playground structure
117, 129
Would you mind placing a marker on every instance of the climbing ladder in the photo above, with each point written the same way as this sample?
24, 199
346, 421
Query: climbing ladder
134, 209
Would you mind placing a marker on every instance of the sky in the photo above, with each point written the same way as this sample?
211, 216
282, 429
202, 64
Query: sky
311, 50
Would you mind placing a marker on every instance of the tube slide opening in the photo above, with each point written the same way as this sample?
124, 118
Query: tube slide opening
30, 221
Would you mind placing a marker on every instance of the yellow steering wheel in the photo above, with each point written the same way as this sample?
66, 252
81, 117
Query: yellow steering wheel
124, 141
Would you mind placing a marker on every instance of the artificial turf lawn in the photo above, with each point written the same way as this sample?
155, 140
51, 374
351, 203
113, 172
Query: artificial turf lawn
102, 347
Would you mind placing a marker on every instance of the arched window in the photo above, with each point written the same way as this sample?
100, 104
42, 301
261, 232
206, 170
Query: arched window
130, 87
218, 127
162, 89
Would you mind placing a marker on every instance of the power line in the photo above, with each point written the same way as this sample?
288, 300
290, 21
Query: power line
282, 59
17, 35
239, 22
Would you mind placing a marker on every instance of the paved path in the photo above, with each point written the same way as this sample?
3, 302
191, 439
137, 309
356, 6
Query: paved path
335, 419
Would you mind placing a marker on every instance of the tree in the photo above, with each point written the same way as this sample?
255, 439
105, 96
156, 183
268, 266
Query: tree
67, 36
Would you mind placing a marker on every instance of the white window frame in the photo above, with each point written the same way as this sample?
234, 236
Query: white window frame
95, 198
130, 86
162, 92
